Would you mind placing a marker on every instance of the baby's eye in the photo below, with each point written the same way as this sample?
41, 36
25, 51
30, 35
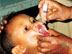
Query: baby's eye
33, 21
26, 28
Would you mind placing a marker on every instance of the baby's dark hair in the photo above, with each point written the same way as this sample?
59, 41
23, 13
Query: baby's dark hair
6, 42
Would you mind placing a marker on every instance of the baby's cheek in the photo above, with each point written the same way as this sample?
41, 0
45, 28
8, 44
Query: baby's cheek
31, 38
32, 41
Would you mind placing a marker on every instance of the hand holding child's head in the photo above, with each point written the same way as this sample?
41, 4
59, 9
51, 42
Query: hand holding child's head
56, 43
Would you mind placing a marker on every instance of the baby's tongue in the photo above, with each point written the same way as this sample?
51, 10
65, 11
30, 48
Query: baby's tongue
43, 31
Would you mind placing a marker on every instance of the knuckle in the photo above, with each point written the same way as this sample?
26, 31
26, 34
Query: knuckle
44, 50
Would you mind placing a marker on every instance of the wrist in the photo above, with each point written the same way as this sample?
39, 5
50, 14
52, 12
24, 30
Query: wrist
66, 44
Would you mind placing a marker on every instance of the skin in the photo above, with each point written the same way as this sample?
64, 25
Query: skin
56, 43
25, 40
24, 32
71, 12
56, 11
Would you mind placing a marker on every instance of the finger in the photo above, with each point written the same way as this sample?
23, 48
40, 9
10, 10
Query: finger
18, 49
41, 4
53, 32
23, 50
54, 4
52, 16
44, 44
14, 51
43, 50
46, 38
41, 43
47, 45
4, 21
52, 40
0, 31
1, 27
61, 19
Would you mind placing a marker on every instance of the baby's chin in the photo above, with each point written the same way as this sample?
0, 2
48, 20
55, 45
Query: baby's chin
31, 42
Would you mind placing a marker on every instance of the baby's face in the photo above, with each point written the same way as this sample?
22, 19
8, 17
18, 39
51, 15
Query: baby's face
24, 30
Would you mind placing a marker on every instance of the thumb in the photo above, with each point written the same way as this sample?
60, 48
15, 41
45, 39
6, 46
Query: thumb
52, 16
40, 4
53, 32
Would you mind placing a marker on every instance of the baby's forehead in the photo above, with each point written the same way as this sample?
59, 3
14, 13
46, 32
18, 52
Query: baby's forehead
21, 19
18, 22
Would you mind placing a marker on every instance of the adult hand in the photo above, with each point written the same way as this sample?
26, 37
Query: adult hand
55, 11
55, 43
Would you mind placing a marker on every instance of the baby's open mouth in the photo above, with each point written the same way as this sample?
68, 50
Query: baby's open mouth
43, 30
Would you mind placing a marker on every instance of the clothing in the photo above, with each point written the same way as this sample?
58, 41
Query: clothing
65, 2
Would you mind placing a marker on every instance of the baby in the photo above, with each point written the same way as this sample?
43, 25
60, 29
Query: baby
20, 35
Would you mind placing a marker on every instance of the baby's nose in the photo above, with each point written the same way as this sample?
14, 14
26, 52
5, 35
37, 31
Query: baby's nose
35, 26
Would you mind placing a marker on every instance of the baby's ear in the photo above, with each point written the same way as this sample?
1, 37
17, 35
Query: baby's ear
19, 49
